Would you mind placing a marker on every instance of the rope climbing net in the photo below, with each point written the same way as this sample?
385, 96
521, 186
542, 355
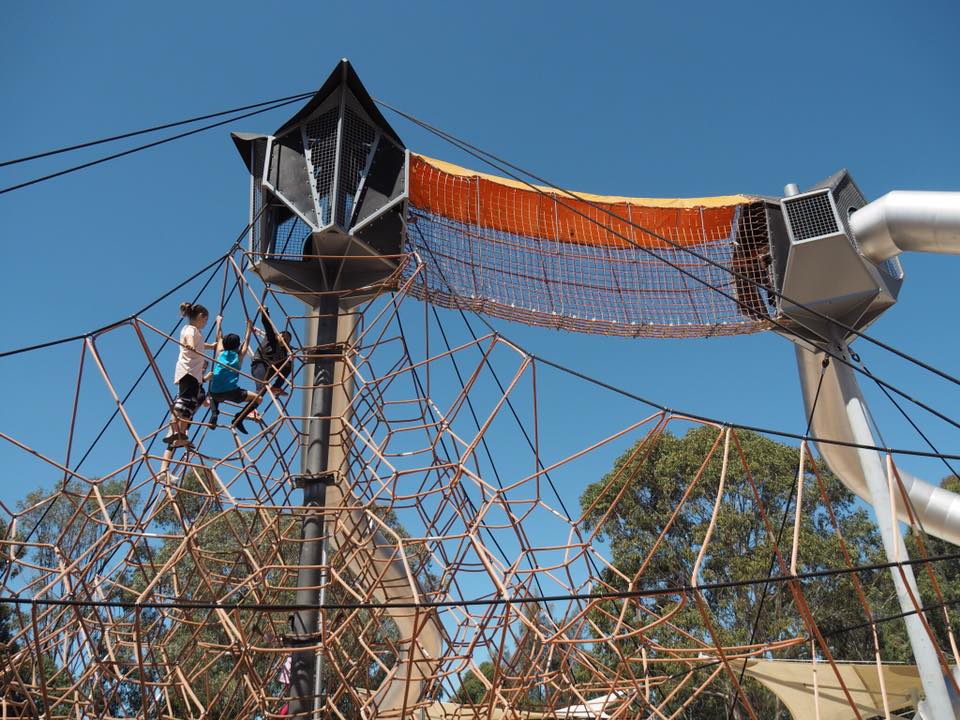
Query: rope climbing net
461, 566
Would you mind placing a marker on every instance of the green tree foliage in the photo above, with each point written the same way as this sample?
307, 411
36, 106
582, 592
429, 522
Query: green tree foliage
472, 689
8, 618
6, 611
55, 529
632, 504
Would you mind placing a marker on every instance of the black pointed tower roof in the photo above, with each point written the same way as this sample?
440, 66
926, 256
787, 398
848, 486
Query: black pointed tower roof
343, 75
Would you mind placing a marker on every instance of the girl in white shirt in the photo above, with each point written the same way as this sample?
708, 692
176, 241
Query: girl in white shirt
188, 374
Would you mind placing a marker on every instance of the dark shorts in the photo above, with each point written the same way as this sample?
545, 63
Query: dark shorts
189, 396
237, 395
259, 371
264, 373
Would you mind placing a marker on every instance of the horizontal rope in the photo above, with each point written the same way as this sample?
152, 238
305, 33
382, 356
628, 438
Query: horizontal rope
438, 604
155, 128
139, 148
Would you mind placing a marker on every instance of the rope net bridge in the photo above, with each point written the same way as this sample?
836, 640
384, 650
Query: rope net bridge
582, 262
463, 576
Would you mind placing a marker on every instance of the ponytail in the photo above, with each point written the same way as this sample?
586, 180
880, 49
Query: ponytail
192, 311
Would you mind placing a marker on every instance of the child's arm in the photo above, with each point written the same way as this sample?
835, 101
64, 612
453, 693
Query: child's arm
269, 329
216, 343
246, 339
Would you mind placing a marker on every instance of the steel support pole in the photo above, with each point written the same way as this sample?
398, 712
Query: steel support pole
939, 703
305, 688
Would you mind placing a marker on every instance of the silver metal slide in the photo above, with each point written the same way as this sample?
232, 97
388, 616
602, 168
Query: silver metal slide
937, 510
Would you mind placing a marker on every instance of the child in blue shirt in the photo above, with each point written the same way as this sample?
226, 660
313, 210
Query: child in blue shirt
225, 382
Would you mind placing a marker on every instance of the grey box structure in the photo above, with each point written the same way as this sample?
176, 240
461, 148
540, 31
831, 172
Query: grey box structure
821, 269
327, 195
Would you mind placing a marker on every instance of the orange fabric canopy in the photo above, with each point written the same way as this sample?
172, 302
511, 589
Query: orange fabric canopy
487, 201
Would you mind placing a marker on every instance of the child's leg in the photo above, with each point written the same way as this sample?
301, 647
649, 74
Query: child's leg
165, 463
178, 428
183, 426
186, 404
280, 379
253, 400
278, 382
214, 412
258, 371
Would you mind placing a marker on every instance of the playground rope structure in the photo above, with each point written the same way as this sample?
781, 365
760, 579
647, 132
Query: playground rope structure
120, 573
136, 585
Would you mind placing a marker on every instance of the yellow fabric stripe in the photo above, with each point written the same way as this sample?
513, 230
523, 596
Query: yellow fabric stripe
680, 203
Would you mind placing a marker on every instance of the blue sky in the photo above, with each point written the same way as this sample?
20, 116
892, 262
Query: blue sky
620, 98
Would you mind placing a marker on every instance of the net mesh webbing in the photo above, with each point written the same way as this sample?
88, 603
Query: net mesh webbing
542, 258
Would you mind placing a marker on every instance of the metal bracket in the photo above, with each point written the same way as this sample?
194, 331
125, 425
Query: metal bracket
307, 479
300, 640
324, 352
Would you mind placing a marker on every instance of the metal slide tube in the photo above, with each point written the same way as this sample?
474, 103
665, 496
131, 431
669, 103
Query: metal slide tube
375, 562
908, 220
372, 559
841, 406
937, 509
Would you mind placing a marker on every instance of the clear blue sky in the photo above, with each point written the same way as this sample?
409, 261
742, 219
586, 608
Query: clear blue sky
623, 98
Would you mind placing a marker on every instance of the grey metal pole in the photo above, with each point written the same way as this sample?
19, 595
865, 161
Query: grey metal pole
939, 703
305, 676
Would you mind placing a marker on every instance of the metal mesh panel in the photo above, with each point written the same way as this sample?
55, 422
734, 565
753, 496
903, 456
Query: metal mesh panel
290, 239
256, 232
605, 290
321, 135
849, 199
811, 216
753, 263
289, 173
355, 150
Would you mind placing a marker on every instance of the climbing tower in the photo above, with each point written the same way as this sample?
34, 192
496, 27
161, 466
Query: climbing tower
327, 193
327, 205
